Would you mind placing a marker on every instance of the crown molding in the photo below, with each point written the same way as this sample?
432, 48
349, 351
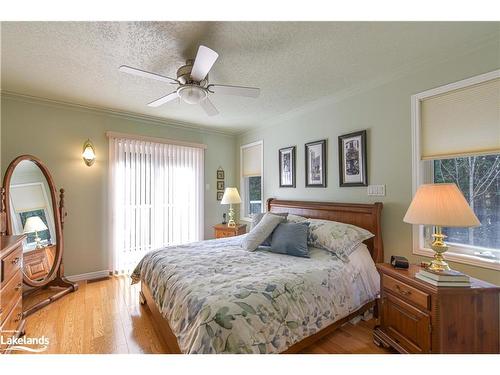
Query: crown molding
404, 71
112, 112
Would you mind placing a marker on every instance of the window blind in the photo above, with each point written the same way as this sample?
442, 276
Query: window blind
462, 122
156, 198
251, 163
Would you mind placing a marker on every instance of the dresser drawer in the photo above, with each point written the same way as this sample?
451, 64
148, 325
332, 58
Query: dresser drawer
9, 295
11, 324
406, 291
10, 264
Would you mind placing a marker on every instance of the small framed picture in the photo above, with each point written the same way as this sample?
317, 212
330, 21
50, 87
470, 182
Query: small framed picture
220, 194
287, 166
316, 164
352, 159
220, 185
220, 174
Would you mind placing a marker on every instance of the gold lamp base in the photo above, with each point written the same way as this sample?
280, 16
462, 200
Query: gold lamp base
439, 247
231, 223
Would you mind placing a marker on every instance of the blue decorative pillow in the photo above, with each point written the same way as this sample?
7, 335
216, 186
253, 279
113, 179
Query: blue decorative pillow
290, 239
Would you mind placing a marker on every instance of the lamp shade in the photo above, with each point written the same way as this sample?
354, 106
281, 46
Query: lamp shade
231, 196
34, 223
440, 204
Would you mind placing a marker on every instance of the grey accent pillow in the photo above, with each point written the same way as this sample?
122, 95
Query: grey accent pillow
256, 218
291, 239
261, 231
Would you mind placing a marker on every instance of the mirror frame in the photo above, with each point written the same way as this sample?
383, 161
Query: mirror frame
55, 211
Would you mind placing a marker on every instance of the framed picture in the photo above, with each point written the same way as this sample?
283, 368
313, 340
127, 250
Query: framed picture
287, 166
352, 159
220, 185
316, 164
220, 194
220, 174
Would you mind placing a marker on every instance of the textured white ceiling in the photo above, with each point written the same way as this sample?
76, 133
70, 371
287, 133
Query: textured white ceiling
294, 63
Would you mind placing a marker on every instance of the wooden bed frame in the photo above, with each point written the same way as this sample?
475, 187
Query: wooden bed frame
367, 216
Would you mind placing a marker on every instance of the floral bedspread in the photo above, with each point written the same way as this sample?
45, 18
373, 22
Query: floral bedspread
219, 298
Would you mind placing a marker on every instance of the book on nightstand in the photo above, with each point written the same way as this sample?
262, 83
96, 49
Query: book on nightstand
449, 278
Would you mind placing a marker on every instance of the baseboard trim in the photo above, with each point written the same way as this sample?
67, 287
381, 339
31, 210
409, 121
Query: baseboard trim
88, 276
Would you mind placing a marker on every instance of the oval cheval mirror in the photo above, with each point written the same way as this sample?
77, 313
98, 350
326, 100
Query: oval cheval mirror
32, 209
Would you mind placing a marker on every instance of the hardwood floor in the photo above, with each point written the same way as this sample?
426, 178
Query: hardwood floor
105, 316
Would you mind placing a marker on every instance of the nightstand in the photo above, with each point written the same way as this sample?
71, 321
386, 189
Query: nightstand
417, 317
222, 230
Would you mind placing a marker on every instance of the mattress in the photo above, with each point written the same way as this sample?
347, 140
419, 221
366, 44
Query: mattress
219, 298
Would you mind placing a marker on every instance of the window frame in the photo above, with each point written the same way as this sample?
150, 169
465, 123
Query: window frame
243, 187
422, 172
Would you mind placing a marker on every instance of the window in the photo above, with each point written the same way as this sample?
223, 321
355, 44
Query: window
156, 194
456, 139
478, 177
251, 179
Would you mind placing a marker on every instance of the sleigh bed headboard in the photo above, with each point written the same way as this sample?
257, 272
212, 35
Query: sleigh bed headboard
366, 216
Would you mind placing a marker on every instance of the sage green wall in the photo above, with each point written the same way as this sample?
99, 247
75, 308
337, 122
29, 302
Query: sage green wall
55, 133
385, 112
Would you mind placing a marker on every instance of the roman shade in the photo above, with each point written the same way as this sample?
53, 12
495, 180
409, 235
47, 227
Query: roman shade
251, 160
462, 122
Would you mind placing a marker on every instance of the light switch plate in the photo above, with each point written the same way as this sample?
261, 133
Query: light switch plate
377, 190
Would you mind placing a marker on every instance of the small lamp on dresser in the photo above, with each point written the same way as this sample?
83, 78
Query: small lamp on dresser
231, 196
440, 205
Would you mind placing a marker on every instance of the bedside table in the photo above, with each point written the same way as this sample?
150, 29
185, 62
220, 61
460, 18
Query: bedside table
222, 230
417, 317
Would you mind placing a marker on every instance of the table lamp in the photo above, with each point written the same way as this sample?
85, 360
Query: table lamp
231, 196
440, 205
35, 224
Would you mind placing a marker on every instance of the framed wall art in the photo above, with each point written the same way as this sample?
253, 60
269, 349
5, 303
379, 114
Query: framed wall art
316, 164
286, 158
353, 169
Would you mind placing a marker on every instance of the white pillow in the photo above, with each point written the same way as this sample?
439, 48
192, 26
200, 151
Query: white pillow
261, 231
338, 238
296, 218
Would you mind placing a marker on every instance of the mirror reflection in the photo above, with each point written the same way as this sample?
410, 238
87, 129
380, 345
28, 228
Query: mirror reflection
32, 215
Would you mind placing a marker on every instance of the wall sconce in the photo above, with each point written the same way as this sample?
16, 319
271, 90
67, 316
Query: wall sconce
88, 153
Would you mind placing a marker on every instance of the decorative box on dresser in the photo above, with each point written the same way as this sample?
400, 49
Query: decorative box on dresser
417, 317
11, 288
222, 230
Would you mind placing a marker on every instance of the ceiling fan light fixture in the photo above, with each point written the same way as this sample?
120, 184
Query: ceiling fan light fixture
192, 94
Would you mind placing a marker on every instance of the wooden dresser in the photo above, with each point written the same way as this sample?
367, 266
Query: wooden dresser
11, 288
417, 317
222, 230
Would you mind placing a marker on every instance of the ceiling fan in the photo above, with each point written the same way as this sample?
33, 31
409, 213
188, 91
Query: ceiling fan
192, 80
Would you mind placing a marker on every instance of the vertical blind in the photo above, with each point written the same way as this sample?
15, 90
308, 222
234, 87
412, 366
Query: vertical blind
462, 122
156, 198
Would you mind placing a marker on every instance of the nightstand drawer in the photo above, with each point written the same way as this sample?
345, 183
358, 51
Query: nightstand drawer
406, 291
222, 234
408, 326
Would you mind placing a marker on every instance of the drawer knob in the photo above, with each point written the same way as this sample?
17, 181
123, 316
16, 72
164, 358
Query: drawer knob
15, 260
402, 291
18, 317
18, 286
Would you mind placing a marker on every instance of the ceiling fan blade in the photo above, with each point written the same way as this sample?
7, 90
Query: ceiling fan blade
164, 99
251, 92
205, 59
143, 73
209, 108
